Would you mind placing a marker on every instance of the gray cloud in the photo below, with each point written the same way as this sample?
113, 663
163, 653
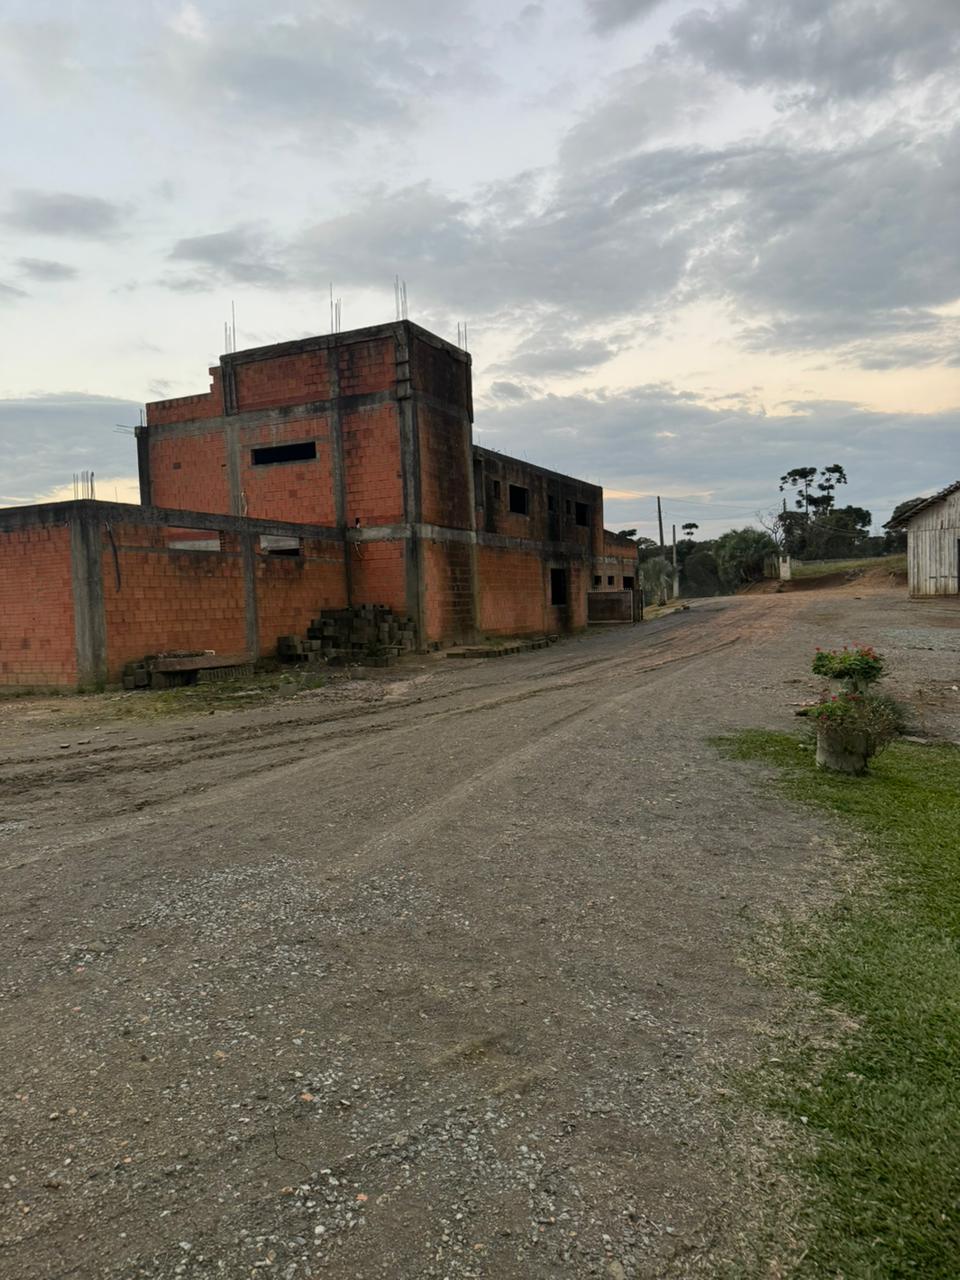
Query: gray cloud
607, 15
586, 254
652, 439
900, 338
45, 270
799, 241
63, 213
824, 48
44, 439
638, 105
502, 389
240, 254
9, 292
562, 356
313, 75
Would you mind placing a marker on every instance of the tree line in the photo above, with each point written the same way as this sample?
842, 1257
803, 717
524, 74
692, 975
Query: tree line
810, 525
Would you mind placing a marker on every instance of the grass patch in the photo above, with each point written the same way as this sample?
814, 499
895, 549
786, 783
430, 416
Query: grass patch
215, 695
883, 1109
820, 568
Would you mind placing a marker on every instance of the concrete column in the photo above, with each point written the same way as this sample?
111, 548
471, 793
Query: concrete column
86, 564
412, 500
248, 557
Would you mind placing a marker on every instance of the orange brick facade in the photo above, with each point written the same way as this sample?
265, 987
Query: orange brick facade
111, 583
358, 447
37, 645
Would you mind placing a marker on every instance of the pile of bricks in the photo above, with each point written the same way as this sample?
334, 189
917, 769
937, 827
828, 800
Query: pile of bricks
370, 634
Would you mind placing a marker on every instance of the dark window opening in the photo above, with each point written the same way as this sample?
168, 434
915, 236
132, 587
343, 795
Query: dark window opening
597, 580
478, 482
177, 466
628, 584
277, 545
551, 502
583, 513
519, 500
496, 489
610, 581
558, 586
302, 451
568, 507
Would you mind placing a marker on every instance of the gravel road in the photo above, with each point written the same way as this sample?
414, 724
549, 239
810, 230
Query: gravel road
434, 975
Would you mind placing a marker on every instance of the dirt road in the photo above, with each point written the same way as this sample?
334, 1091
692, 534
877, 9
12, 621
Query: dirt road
440, 980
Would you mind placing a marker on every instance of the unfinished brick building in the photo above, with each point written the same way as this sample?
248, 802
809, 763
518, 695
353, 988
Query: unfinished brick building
319, 473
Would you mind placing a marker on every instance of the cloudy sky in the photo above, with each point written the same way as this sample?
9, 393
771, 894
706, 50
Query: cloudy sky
696, 242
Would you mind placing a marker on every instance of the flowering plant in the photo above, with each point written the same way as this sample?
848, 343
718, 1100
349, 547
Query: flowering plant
856, 721
857, 668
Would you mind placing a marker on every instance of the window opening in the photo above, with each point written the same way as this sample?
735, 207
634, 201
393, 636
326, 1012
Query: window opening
583, 513
302, 451
558, 586
628, 584
278, 545
519, 500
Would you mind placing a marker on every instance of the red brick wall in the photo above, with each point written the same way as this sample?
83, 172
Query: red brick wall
514, 593
512, 596
188, 471
448, 604
291, 590
301, 492
170, 599
208, 404
445, 455
282, 380
379, 574
37, 637
372, 466
440, 373
578, 583
365, 367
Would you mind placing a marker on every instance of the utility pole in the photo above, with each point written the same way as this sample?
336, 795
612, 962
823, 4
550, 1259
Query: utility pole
660, 522
676, 571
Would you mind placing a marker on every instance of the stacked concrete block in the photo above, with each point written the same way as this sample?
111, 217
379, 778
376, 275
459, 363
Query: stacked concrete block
370, 634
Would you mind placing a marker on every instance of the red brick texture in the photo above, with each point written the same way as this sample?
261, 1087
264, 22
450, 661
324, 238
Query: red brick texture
448, 590
188, 470
445, 455
291, 590
513, 595
367, 367
196, 599
170, 599
372, 466
282, 380
300, 492
208, 404
37, 644
378, 574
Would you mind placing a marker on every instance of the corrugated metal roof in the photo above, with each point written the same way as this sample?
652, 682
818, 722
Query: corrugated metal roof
923, 504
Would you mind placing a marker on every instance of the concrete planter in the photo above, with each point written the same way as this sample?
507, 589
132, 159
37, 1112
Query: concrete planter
844, 752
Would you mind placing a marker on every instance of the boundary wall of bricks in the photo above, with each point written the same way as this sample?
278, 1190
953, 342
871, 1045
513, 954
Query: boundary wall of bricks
86, 587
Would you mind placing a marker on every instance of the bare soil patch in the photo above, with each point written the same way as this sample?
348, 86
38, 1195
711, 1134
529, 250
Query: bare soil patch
437, 978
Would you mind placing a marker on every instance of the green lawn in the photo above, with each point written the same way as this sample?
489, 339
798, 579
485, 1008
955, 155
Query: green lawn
883, 1109
820, 568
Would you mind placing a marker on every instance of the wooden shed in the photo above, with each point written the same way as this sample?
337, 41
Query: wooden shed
933, 543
